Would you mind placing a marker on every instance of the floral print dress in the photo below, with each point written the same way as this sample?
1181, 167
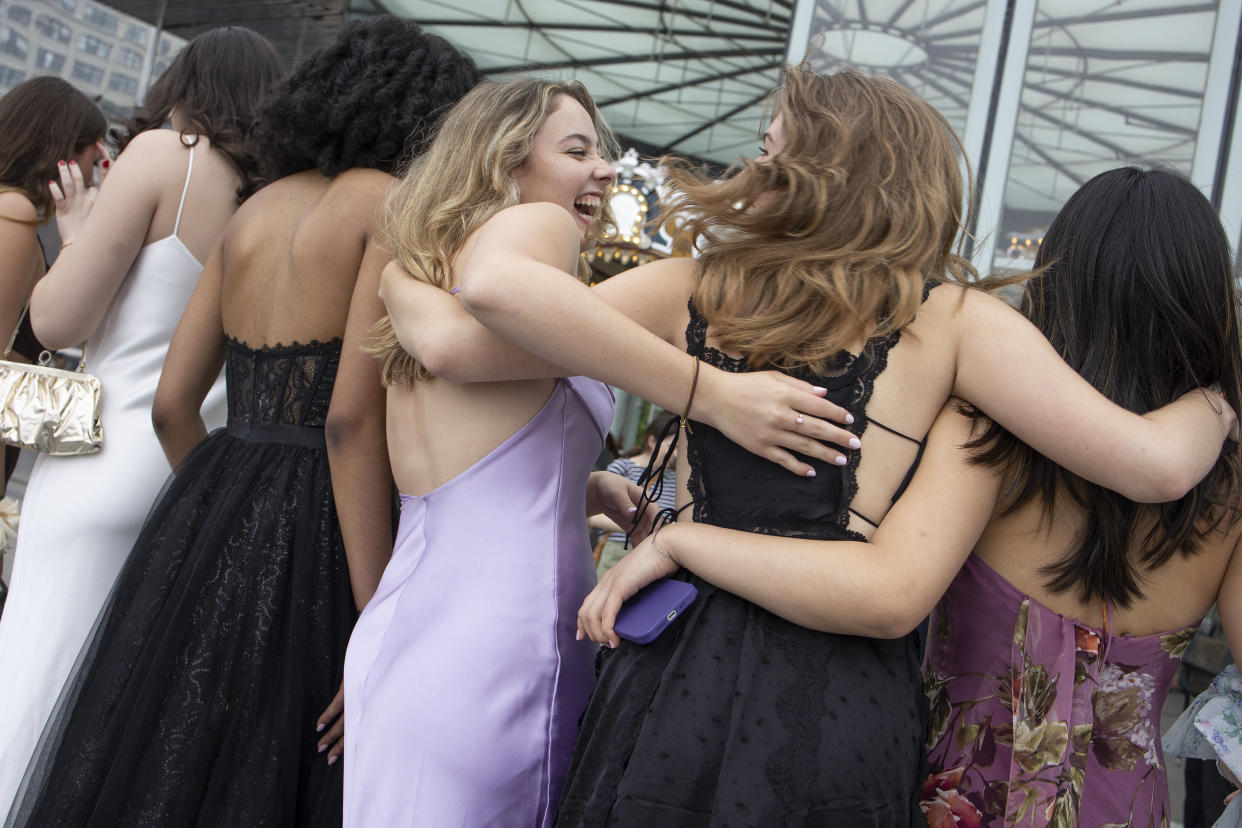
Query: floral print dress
1041, 720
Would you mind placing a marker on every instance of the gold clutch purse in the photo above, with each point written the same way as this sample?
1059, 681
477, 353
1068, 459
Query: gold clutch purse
49, 409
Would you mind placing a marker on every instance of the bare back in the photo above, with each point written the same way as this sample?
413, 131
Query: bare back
907, 395
292, 257
438, 429
1176, 595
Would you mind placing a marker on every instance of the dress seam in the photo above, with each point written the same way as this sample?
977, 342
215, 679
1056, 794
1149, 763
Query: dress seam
550, 702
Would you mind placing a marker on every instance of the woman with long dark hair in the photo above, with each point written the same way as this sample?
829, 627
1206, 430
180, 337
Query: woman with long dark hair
831, 256
42, 121
132, 251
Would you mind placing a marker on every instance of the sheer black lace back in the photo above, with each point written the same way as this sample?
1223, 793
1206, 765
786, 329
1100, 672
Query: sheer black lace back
735, 489
281, 384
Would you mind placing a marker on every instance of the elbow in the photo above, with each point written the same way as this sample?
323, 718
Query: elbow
166, 417
893, 622
52, 333
484, 290
1170, 484
338, 428
441, 360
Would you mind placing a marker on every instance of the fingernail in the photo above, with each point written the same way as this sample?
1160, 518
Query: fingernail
578, 635
841, 461
810, 472
319, 727
612, 646
60, 163
819, 389
855, 442
849, 418
73, 163
322, 748
632, 509
332, 760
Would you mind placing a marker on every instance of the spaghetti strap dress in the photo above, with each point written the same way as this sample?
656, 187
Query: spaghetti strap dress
1039, 719
196, 701
464, 682
735, 716
80, 515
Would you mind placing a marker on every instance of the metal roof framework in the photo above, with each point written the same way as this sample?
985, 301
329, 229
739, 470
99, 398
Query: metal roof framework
1046, 93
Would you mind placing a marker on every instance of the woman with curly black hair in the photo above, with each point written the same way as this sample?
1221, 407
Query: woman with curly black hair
202, 696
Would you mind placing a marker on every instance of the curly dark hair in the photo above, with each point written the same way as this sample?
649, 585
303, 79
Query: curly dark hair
216, 83
368, 99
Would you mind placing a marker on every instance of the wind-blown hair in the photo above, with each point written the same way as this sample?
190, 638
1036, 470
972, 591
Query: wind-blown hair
1137, 295
462, 180
216, 83
830, 241
364, 100
42, 121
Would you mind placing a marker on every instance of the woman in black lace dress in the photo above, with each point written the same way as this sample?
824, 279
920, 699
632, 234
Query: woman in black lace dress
199, 699
838, 269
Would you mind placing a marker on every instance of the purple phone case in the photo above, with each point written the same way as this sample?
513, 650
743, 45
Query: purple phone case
653, 608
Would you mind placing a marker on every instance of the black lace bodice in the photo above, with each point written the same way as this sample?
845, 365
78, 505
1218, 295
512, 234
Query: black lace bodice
281, 384
735, 489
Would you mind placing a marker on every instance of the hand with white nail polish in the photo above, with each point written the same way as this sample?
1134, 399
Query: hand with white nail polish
333, 720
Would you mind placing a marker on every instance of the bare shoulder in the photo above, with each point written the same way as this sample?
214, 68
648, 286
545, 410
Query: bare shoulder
15, 206
537, 217
540, 231
363, 181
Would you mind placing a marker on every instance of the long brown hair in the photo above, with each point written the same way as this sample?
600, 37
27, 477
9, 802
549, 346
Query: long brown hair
830, 241
216, 83
463, 179
1135, 289
42, 121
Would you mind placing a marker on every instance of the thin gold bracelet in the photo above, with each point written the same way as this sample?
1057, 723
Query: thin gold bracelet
694, 383
66, 244
656, 547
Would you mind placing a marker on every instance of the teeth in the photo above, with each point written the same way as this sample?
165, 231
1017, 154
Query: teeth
588, 202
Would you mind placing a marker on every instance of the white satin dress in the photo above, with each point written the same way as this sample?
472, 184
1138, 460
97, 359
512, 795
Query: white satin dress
81, 515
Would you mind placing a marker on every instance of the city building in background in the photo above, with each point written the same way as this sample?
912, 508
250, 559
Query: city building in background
105, 53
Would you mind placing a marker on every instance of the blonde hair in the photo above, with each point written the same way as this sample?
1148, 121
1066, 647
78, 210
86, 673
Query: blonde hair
462, 180
831, 241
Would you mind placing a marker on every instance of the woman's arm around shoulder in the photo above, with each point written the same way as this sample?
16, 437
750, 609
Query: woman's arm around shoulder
70, 301
1008, 369
517, 282
880, 589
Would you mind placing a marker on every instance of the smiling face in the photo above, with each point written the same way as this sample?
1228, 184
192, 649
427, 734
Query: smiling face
564, 166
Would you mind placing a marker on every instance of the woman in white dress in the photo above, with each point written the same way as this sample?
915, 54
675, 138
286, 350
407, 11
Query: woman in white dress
125, 273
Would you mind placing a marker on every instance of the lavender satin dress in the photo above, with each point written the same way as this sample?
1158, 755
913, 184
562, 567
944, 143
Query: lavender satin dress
463, 681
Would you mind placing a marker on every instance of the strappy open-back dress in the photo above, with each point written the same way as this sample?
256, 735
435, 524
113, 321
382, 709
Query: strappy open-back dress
735, 716
80, 515
195, 703
464, 682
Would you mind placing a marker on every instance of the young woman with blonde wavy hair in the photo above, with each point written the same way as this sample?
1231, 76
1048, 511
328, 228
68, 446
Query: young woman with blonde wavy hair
464, 681
838, 266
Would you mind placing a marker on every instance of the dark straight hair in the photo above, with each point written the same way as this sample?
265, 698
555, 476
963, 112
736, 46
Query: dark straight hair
1137, 294
216, 83
42, 121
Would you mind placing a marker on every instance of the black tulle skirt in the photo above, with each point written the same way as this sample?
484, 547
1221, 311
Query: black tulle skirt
195, 701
